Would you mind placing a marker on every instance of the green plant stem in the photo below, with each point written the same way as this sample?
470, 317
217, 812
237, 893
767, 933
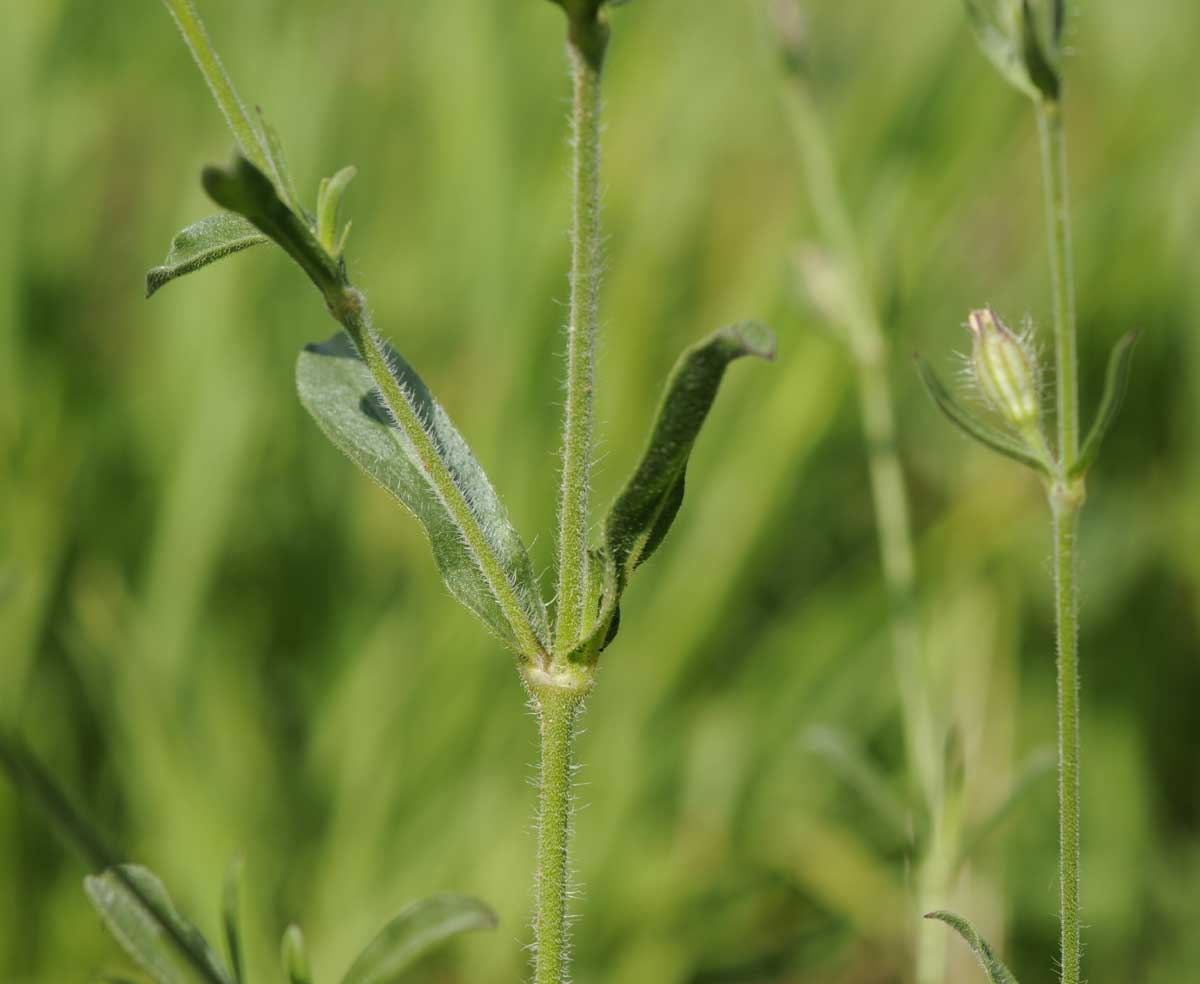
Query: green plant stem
1066, 591
1066, 499
1062, 276
558, 710
893, 524
349, 308
219, 82
577, 448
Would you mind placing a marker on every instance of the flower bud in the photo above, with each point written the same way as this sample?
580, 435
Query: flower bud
1005, 370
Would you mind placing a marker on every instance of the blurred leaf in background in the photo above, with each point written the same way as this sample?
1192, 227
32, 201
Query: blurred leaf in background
227, 640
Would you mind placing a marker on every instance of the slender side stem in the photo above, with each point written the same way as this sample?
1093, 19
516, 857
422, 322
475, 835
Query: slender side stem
893, 523
354, 318
577, 448
219, 82
1066, 591
558, 710
1062, 275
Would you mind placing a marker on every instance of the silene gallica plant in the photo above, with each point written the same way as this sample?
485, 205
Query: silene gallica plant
1024, 40
376, 409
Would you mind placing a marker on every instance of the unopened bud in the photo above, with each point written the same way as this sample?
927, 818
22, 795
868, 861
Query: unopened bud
1005, 369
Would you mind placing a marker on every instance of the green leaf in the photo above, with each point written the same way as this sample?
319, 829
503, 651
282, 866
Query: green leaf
244, 189
272, 148
336, 387
1116, 380
996, 971
294, 955
139, 913
329, 201
1040, 62
229, 917
205, 242
417, 929
972, 426
645, 509
996, 27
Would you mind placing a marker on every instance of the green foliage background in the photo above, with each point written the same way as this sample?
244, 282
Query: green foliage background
224, 639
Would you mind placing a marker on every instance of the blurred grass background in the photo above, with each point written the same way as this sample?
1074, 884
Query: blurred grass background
223, 638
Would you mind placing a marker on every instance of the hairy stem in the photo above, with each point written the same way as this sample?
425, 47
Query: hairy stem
1066, 592
586, 66
1062, 276
219, 82
1066, 498
558, 710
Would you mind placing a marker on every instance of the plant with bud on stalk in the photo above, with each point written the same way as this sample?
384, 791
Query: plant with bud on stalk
374, 407
1024, 40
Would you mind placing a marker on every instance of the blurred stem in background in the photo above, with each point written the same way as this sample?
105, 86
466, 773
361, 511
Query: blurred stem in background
835, 279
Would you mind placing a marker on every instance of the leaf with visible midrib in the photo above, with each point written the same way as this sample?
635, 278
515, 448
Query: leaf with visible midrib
647, 506
336, 387
992, 964
202, 243
151, 930
410, 935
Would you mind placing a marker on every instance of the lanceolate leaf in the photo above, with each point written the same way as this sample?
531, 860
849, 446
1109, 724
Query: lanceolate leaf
996, 971
645, 509
203, 243
148, 927
1115, 381
273, 149
416, 930
336, 387
972, 426
294, 956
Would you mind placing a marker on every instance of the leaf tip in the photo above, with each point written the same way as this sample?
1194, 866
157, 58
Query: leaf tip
754, 338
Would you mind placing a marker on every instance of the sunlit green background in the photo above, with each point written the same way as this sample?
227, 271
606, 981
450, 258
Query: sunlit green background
223, 638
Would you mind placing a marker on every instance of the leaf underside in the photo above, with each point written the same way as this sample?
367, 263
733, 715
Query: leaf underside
992, 965
415, 931
149, 928
643, 512
336, 387
202, 243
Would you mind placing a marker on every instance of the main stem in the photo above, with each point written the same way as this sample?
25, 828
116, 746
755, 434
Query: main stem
1066, 498
557, 712
586, 66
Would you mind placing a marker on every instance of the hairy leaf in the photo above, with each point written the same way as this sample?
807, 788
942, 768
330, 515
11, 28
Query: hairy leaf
272, 148
244, 189
972, 426
139, 913
1116, 379
329, 201
336, 387
645, 509
202, 243
996, 971
417, 929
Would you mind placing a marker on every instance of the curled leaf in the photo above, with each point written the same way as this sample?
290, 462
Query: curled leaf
996, 971
645, 509
202, 243
973, 427
1116, 380
416, 930
337, 388
243, 188
329, 200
